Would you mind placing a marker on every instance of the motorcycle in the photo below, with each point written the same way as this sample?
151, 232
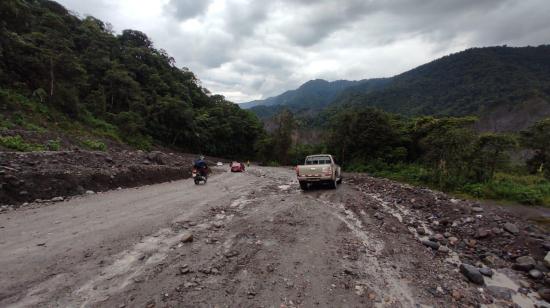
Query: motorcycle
199, 176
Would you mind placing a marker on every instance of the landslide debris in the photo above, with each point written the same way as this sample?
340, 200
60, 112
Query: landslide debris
43, 177
478, 239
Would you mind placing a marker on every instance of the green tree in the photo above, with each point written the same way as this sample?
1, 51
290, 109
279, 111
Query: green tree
447, 145
491, 152
364, 134
537, 139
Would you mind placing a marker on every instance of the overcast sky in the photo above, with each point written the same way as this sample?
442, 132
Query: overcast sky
247, 50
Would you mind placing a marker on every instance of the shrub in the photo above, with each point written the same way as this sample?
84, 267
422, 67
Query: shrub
140, 142
95, 145
53, 145
17, 143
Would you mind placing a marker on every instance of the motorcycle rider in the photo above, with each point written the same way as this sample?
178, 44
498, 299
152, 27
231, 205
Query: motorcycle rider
201, 166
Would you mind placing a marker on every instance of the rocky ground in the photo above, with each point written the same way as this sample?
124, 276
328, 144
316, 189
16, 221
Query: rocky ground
255, 239
481, 240
42, 176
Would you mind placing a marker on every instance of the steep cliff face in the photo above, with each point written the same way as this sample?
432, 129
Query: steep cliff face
506, 118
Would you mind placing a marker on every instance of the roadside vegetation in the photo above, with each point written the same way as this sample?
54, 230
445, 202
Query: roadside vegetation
74, 76
444, 153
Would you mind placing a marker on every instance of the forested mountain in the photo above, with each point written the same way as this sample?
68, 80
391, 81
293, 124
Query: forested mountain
493, 82
310, 97
57, 69
508, 88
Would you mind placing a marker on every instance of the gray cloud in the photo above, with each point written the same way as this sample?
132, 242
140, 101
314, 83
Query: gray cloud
185, 9
248, 49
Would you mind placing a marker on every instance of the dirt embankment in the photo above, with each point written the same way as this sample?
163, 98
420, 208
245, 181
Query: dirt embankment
42, 176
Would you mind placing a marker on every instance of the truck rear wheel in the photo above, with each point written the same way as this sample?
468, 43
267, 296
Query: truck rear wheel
303, 185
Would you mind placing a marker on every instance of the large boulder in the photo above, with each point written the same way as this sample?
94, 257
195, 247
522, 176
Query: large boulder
472, 273
525, 264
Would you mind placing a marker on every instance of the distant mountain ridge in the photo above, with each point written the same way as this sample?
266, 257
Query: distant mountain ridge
507, 87
317, 91
312, 96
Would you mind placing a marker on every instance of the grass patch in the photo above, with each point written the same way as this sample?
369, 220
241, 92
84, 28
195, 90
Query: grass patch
94, 145
53, 145
17, 143
524, 189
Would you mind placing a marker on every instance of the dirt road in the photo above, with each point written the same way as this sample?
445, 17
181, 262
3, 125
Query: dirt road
257, 241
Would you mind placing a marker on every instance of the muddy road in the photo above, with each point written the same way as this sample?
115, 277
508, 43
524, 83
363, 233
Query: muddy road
243, 240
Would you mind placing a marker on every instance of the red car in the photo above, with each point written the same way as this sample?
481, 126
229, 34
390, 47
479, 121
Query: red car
237, 167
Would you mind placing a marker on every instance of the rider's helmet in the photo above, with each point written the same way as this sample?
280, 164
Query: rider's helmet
201, 157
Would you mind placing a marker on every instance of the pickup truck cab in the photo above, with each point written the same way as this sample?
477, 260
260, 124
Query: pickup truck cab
319, 168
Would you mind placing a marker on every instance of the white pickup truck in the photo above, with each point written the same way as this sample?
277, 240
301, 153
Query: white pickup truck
319, 168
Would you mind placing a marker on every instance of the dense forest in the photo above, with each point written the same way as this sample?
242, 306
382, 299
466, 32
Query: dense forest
478, 81
57, 69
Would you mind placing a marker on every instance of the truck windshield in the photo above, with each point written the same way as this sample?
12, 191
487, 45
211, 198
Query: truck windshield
318, 160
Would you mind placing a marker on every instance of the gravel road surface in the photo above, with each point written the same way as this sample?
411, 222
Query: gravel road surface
242, 240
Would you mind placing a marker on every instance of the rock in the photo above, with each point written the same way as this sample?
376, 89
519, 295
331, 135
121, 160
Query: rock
23, 193
546, 246
472, 273
524, 284
547, 260
536, 274
477, 209
453, 240
57, 199
500, 292
432, 245
482, 233
41, 244
186, 237
496, 231
184, 270
457, 295
378, 216
544, 294
485, 271
525, 263
443, 249
421, 231
510, 227
230, 253
471, 243
438, 237
541, 267
90, 192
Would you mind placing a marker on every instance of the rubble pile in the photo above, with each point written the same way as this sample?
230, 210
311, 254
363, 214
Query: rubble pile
479, 238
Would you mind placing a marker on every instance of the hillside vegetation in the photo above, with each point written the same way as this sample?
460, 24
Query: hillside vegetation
61, 73
478, 81
508, 88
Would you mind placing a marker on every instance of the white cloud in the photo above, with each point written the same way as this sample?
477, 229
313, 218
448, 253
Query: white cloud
250, 49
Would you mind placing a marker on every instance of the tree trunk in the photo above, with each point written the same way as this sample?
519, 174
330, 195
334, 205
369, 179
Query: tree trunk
52, 77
